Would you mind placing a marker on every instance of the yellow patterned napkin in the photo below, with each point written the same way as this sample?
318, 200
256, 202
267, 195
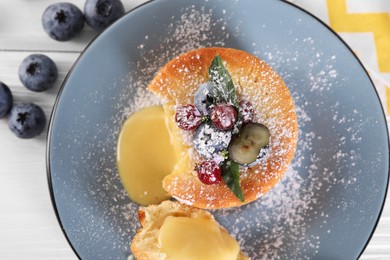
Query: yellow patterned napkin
365, 26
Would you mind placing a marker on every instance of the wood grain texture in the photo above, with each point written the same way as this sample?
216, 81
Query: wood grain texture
28, 226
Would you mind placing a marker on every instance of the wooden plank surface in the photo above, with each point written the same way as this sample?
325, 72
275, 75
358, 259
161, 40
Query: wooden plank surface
28, 227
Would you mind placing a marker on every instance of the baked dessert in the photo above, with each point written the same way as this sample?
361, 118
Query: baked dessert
197, 90
172, 230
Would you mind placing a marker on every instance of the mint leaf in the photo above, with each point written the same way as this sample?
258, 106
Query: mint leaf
224, 91
231, 177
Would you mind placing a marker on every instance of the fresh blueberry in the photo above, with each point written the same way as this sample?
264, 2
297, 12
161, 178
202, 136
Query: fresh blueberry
38, 72
209, 141
26, 120
5, 100
204, 97
101, 13
62, 21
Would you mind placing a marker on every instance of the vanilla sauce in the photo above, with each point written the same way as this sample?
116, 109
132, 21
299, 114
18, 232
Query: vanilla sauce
145, 155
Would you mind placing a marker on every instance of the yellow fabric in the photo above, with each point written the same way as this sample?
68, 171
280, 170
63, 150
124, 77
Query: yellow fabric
378, 25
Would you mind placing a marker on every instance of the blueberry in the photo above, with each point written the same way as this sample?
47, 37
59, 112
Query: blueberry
38, 72
204, 97
5, 100
26, 120
101, 13
209, 141
62, 21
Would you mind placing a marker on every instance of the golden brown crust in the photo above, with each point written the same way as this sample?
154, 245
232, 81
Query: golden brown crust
255, 81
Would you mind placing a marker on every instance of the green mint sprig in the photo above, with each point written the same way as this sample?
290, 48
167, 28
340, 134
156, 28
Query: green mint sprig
224, 92
231, 177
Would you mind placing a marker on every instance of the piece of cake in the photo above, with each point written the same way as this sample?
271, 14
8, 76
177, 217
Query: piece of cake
172, 230
212, 138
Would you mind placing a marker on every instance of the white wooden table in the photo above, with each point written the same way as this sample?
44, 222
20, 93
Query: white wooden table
28, 226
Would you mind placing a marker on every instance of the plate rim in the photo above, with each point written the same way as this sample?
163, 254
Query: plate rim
64, 82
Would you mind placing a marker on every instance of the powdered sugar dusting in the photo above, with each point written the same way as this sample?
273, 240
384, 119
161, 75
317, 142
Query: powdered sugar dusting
209, 141
280, 221
191, 31
277, 224
289, 221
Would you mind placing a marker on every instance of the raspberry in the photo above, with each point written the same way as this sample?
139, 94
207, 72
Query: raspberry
209, 172
223, 116
188, 117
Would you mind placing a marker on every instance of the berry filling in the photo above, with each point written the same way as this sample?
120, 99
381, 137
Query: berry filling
224, 131
209, 172
223, 116
188, 117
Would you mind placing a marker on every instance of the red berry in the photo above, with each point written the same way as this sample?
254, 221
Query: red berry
209, 172
223, 116
188, 117
247, 111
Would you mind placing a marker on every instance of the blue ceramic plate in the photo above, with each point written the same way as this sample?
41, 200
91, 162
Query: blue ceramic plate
329, 201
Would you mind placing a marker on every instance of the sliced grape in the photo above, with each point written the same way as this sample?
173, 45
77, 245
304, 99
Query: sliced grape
245, 147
